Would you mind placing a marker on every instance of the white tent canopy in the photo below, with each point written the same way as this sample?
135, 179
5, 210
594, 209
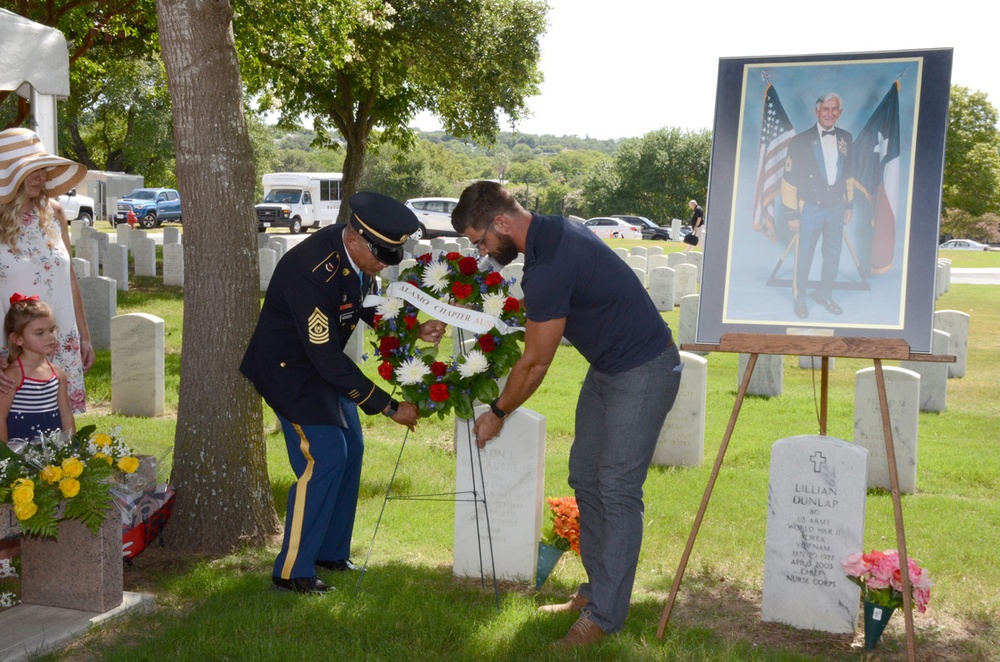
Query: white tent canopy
34, 61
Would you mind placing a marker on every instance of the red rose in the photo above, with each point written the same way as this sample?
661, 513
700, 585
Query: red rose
452, 256
438, 369
378, 318
512, 305
468, 266
494, 279
461, 290
385, 370
413, 282
425, 258
487, 343
386, 345
439, 392
409, 321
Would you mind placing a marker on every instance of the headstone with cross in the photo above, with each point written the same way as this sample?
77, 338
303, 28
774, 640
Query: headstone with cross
815, 518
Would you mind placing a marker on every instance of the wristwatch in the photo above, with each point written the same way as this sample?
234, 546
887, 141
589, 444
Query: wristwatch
499, 413
393, 408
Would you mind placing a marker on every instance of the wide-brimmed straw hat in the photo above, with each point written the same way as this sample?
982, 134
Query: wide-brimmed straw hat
22, 153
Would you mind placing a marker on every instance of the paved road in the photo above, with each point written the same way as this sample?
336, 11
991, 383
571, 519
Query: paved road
969, 276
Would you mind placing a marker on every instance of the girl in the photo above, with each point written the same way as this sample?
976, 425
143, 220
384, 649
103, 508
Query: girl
41, 400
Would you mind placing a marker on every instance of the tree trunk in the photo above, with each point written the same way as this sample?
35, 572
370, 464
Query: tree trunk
356, 137
220, 470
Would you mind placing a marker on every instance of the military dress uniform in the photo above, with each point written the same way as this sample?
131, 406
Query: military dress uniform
296, 361
819, 207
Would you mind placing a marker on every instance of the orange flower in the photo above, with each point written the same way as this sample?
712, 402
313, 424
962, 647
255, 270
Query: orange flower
566, 520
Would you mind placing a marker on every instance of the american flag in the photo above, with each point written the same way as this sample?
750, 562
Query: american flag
775, 133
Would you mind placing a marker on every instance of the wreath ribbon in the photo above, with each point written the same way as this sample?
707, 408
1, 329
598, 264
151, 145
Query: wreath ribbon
464, 318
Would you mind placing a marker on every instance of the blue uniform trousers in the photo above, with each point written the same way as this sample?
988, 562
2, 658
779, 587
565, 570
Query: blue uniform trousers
816, 223
323, 501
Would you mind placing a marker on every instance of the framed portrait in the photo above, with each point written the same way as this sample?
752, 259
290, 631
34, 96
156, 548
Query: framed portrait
825, 195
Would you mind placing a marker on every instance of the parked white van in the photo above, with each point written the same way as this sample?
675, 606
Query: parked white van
299, 200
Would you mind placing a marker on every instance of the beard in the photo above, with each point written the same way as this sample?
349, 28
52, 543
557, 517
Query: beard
507, 251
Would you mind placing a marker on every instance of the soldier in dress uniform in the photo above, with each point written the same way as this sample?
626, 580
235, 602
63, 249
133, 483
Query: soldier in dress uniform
296, 361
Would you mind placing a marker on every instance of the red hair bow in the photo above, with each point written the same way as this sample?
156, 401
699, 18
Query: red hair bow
17, 297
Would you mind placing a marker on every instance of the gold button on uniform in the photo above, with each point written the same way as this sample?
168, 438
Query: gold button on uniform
283, 364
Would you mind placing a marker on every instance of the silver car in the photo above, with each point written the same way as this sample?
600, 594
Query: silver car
434, 215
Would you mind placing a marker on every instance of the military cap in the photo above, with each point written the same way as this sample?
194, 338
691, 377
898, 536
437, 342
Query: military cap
384, 223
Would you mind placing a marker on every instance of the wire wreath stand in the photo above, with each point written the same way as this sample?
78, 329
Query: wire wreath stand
473, 496
876, 349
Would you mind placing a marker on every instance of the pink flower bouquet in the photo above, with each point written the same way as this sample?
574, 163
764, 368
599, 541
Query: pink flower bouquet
881, 580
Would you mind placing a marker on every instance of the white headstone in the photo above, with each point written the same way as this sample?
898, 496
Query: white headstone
956, 324
451, 247
268, 259
682, 438
81, 267
621, 252
137, 369
661, 288
654, 261
263, 240
636, 261
103, 241
933, 376
946, 263
639, 250
653, 250
282, 243
815, 518
173, 263
674, 259
100, 304
463, 242
356, 346
515, 273
86, 249
123, 233
171, 235
116, 266
768, 375
675, 229
685, 281
687, 325
640, 274
815, 362
144, 255
902, 390
695, 258
76, 231
513, 481
938, 281
438, 242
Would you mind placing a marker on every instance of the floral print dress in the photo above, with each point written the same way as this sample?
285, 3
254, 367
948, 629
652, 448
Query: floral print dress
42, 267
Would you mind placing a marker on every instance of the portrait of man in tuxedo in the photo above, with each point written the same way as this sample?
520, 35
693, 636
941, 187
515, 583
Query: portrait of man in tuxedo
817, 192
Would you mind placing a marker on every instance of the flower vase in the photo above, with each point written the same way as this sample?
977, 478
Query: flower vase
876, 618
548, 556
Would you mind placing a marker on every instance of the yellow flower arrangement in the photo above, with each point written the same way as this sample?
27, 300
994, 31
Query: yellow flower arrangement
60, 477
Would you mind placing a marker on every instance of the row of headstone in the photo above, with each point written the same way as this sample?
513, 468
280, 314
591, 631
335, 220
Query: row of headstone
942, 279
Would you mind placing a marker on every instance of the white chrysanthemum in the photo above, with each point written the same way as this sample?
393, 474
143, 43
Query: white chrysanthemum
493, 304
389, 307
475, 363
412, 371
435, 276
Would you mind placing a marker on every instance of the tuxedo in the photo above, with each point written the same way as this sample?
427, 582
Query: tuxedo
817, 187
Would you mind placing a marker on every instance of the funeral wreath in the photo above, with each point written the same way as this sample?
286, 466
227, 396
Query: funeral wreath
441, 384
59, 476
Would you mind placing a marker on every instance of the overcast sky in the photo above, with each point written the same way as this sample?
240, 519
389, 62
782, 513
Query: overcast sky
621, 68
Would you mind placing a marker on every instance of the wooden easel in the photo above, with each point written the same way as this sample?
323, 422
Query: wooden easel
876, 349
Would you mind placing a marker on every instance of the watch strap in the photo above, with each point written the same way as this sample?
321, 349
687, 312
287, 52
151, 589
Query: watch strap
499, 413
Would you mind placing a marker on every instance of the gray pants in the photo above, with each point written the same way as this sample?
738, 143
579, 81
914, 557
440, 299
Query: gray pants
618, 421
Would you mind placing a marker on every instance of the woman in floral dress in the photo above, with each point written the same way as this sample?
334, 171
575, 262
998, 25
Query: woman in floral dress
34, 255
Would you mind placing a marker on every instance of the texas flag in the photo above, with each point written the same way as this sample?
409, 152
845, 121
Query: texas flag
876, 171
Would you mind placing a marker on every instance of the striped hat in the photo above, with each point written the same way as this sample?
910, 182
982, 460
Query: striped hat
21, 153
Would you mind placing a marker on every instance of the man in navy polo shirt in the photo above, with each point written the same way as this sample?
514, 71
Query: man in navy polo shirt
575, 286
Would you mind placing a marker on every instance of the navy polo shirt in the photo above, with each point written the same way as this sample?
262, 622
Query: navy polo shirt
569, 272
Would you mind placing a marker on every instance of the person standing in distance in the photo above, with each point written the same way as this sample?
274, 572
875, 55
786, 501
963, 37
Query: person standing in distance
575, 286
296, 361
697, 224
817, 192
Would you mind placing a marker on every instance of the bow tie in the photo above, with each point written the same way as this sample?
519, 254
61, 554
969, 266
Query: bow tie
831, 132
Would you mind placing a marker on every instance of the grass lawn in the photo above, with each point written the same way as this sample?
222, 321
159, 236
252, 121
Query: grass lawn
411, 608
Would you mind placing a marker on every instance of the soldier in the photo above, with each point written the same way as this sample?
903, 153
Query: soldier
296, 361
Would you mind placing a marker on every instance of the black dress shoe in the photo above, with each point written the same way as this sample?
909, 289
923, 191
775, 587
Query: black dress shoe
337, 566
801, 309
301, 584
829, 304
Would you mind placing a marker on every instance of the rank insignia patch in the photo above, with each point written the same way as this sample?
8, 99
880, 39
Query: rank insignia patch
319, 328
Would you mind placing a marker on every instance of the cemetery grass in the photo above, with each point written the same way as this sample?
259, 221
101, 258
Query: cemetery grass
410, 606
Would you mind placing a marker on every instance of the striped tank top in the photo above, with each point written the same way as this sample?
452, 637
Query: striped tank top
35, 407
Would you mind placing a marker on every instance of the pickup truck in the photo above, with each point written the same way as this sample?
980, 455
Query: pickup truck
152, 206
78, 207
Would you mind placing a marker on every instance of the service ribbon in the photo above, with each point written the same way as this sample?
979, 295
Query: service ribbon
464, 318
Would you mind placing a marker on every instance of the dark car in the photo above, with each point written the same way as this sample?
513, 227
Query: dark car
649, 229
